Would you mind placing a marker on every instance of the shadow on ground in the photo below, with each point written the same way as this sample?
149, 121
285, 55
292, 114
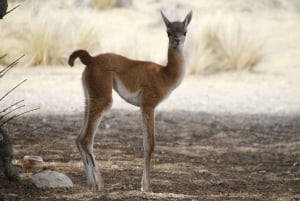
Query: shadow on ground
198, 156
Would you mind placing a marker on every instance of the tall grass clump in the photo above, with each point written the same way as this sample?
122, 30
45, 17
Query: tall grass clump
222, 44
45, 37
42, 41
30, 32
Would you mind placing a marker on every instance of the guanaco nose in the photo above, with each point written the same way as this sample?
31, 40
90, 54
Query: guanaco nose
177, 40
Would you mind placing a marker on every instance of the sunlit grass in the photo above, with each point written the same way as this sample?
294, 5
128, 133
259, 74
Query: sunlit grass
224, 45
46, 38
47, 32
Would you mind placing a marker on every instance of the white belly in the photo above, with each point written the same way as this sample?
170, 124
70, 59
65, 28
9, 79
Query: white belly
130, 97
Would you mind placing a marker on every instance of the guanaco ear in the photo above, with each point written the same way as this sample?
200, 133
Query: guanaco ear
167, 22
188, 19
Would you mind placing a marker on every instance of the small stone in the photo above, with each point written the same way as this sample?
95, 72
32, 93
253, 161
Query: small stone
114, 167
51, 179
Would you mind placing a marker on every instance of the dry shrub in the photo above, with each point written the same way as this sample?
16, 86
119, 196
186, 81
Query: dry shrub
222, 45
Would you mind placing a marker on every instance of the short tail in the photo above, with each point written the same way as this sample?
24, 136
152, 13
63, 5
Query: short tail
83, 55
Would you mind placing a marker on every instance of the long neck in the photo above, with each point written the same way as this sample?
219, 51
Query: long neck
175, 67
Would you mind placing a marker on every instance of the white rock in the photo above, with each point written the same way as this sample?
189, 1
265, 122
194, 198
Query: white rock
51, 179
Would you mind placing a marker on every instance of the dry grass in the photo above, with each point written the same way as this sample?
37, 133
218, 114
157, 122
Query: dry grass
46, 38
102, 4
224, 46
244, 35
48, 31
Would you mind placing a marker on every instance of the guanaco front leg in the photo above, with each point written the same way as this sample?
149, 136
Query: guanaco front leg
148, 143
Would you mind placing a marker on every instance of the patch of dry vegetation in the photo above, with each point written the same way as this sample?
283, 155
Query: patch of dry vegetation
243, 35
46, 38
223, 35
224, 45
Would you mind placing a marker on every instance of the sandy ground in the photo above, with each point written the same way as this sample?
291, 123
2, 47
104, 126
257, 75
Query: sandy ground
58, 90
232, 136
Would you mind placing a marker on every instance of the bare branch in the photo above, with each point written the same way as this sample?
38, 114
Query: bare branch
19, 107
16, 103
3, 56
12, 9
18, 115
5, 13
12, 90
10, 66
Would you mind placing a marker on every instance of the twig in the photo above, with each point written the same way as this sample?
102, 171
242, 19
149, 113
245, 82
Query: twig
18, 115
12, 9
1, 117
16, 103
12, 89
3, 56
10, 66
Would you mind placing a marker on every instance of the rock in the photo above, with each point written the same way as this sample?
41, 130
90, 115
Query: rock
51, 179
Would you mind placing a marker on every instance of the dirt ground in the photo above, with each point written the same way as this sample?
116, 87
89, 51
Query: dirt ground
225, 137
199, 156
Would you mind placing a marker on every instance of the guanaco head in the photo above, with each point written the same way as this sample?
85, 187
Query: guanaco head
177, 30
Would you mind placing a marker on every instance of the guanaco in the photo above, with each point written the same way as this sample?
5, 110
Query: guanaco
140, 83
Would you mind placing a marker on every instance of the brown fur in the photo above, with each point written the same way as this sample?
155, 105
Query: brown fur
156, 81
144, 84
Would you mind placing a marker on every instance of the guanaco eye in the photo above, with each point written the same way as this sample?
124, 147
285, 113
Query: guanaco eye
184, 33
169, 33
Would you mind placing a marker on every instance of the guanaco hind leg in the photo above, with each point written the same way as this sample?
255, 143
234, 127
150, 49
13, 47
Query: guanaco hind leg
98, 101
85, 145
